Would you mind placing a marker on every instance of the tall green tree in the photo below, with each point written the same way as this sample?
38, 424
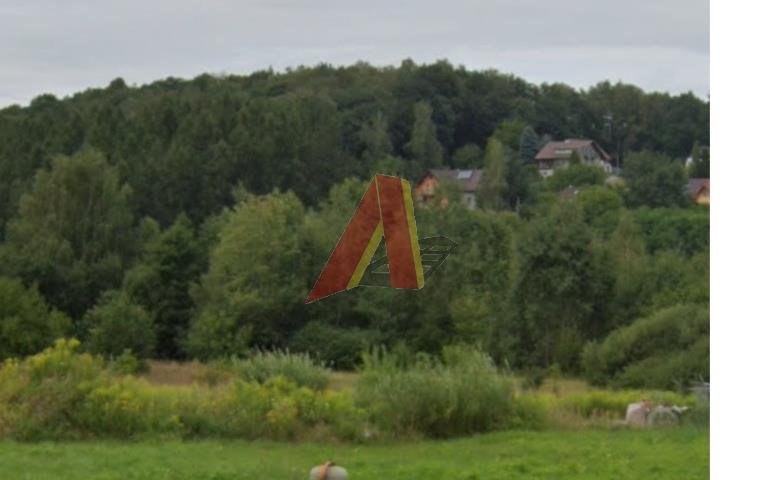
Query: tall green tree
374, 136
528, 146
257, 279
562, 290
631, 267
493, 188
654, 180
602, 208
522, 181
73, 233
161, 280
116, 324
468, 157
700, 166
423, 148
378, 150
27, 324
510, 133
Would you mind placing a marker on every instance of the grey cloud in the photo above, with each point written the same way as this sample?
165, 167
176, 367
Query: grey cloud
63, 47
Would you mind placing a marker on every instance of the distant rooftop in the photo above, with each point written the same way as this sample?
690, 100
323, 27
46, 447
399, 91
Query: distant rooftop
562, 149
468, 180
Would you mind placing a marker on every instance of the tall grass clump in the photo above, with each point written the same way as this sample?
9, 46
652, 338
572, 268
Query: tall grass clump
461, 392
63, 394
39, 395
297, 367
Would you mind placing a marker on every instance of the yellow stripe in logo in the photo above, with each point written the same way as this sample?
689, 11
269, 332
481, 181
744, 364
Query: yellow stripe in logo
405, 187
366, 257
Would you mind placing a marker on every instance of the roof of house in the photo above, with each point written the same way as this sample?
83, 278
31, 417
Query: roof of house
696, 184
467, 180
562, 149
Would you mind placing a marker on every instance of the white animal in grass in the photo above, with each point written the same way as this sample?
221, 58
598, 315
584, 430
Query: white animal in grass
643, 413
637, 413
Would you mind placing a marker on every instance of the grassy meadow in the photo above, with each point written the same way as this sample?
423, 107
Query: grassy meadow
223, 426
681, 454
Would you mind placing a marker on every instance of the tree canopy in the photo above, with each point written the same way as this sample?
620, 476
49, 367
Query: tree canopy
189, 218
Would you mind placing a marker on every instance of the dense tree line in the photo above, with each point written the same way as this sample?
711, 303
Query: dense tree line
182, 145
190, 218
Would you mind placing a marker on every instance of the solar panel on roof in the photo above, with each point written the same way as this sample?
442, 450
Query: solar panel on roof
464, 174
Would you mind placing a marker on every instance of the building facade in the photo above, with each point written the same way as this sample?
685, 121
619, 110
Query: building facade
467, 182
559, 154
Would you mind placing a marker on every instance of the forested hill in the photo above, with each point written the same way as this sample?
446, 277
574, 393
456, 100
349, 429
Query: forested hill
183, 145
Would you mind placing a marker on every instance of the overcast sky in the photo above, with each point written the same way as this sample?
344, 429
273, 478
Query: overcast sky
64, 46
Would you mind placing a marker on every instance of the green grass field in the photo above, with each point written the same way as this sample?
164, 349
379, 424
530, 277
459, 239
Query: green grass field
584, 454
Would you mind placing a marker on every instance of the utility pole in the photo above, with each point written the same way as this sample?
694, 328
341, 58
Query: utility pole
618, 139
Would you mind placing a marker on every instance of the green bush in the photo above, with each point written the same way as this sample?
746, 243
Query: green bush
683, 229
297, 367
655, 180
340, 348
61, 394
116, 324
666, 350
40, 396
533, 378
576, 175
128, 364
27, 325
277, 409
460, 394
601, 208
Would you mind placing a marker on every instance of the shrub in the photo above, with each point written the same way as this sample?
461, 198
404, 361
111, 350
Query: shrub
459, 394
297, 367
40, 395
533, 378
576, 175
116, 324
685, 230
666, 350
529, 412
27, 325
61, 394
277, 409
601, 207
340, 348
654, 180
128, 364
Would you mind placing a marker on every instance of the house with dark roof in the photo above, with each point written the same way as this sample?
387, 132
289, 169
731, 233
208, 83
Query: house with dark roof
466, 180
699, 191
558, 154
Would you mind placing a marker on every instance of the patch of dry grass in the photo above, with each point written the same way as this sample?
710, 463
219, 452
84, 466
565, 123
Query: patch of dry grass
166, 372
342, 380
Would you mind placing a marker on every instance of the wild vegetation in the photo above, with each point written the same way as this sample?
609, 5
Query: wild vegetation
63, 394
187, 220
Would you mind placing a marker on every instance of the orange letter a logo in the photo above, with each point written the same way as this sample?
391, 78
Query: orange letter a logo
386, 210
